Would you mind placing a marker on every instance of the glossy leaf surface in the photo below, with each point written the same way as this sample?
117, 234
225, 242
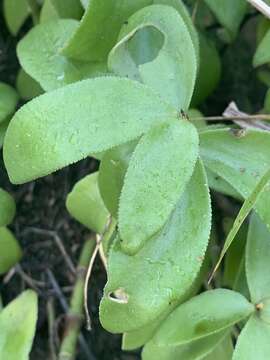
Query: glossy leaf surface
161, 273
205, 314
84, 203
174, 58
158, 172
48, 136
18, 323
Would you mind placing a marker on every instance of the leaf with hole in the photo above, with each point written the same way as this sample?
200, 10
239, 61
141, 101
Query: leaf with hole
171, 53
160, 274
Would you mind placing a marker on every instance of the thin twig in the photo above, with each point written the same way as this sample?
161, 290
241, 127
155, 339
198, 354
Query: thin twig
195, 10
89, 271
231, 118
261, 6
51, 320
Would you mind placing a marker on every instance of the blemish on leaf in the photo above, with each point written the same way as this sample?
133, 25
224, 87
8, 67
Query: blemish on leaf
119, 296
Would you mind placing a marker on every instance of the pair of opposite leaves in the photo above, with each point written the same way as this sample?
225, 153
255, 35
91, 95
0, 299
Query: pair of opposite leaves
204, 313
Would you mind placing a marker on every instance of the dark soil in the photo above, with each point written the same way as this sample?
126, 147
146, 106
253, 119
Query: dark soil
41, 209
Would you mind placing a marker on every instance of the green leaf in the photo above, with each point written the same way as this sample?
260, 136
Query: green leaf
68, 9
253, 342
218, 184
18, 324
7, 208
267, 101
209, 71
173, 57
85, 204
66, 125
99, 28
223, 351
8, 101
158, 172
15, 12
39, 55
203, 315
262, 55
48, 12
248, 205
158, 277
26, 86
229, 13
10, 252
194, 350
244, 171
257, 260
3, 129
112, 171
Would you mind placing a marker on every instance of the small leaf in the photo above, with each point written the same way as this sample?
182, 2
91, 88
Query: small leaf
244, 171
257, 260
15, 12
39, 55
229, 13
26, 86
48, 12
18, 324
10, 250
253, 342
7, 208
158, 172
8, 101
112, 171
66, 125
262, 55
99, 28
159, 276
194, 350
203, 315
84, 203
173, 57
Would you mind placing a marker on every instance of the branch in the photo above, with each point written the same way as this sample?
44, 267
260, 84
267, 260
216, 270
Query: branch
261, 6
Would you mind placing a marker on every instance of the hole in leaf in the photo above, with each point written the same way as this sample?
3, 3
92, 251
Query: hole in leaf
145, 45
119, 296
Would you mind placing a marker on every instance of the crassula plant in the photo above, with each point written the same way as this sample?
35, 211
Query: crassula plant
118, 80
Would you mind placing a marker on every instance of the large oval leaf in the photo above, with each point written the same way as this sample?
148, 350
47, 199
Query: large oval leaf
18, 324
10, 250
7, 208
8, 101
175, 62
99, 28
253, 342
158, 172
39, 55
65, 125
205, 314
244, 171
257, 260
84, 203
159, 275
195, 350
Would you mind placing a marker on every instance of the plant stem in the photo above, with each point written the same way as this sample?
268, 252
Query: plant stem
261, 6
226, 118
34, 11
75, 314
